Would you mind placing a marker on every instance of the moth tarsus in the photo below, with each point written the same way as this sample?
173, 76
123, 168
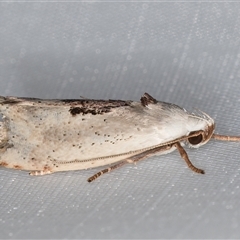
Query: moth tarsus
184, 155
47, 136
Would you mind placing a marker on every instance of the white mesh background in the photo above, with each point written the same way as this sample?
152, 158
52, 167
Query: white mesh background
185, 53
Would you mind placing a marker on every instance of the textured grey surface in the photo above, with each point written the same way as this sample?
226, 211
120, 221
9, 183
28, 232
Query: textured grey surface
184, 53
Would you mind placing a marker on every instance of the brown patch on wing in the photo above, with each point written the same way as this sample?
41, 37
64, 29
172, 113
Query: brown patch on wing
95, 106
146, 99
3, 164
75, 110
46, 168
17, 167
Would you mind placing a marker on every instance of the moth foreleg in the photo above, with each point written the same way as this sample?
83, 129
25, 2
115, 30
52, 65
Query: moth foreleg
185, 157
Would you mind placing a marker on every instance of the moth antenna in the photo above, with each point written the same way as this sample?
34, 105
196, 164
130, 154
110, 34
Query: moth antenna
226, 138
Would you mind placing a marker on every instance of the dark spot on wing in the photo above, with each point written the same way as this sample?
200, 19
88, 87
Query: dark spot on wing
17, 167
74, 111
4, 164
95, 107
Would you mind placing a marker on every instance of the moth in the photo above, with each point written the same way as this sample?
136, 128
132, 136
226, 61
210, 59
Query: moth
47, 136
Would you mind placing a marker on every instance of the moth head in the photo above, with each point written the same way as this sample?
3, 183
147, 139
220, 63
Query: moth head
200, 137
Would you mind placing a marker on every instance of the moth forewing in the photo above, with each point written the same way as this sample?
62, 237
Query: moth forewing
46, 136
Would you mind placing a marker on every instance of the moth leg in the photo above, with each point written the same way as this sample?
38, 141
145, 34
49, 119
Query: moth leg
133, 159
106, 170
185, 157
40, 172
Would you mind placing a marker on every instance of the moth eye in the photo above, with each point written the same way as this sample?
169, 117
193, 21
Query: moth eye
196, 139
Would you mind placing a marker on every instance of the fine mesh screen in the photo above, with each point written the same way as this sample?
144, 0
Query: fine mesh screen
184, 53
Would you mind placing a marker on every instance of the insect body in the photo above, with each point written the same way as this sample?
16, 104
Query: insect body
46, 136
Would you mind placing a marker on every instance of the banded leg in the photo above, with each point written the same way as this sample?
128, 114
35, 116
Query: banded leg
133, 159
185, 157
106, 170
